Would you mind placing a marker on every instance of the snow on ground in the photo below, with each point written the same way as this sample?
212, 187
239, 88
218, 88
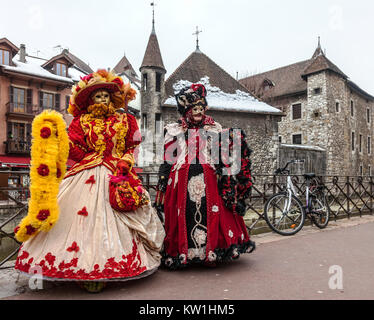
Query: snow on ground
222, 101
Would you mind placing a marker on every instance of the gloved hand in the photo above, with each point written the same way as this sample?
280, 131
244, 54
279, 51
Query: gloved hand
123, 166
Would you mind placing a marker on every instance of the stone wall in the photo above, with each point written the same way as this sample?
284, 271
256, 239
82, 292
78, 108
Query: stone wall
288, 126
323, 126
361, 127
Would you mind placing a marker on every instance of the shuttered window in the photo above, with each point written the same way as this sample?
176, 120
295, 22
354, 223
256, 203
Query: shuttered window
296, 111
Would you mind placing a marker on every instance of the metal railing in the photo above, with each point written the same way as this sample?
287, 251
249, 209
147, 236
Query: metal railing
23, 108
18, 146
347, 197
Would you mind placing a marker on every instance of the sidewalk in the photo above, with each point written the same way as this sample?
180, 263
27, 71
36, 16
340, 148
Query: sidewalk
281, 268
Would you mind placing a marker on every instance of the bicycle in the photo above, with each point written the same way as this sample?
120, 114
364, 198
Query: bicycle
285, 213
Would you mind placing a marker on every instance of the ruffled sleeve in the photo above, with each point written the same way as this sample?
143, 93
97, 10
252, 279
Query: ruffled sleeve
78, 147
235, 189
133, 137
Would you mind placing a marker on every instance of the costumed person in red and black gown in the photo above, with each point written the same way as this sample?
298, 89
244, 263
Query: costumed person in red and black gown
202, 203
107, 228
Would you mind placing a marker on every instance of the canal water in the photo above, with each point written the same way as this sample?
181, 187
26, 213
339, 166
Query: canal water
8, 245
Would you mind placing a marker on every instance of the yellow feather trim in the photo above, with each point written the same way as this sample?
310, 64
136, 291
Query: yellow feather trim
49, 154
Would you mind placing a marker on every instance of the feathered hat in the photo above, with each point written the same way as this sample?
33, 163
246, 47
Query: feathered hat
191, 96
80, 99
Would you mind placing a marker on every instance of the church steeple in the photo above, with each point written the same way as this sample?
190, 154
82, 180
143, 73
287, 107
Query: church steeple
152, 88
318, 51
152, 56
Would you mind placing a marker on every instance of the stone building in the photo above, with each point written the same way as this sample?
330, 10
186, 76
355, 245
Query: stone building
325, 113
230, 103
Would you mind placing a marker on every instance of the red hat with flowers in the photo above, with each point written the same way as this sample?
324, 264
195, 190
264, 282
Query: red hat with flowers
80, 99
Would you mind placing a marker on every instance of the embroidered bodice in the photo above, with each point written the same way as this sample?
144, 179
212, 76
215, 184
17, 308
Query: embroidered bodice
102, 141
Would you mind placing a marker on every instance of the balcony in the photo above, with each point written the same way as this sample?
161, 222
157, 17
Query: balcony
26, 110
17, 147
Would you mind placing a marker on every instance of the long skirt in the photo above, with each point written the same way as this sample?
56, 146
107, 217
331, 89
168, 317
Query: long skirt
199, 228
91, 241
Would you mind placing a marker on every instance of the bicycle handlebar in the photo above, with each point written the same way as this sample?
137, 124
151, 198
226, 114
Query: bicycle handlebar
280, 171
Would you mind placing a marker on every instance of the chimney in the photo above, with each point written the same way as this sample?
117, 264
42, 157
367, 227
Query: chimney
22, 53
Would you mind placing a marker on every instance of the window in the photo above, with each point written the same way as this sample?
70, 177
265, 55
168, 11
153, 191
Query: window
369, 145
296, 111
280, 139
267, 84
145, 81
317, 90
369, 171
337, 107
353, 141
61, 69
4, 57
159, 125
352, 109
67, 101
19, 100
47, 100
296, 139
158, 82
368, 115
360, 143
361, 170
144, 122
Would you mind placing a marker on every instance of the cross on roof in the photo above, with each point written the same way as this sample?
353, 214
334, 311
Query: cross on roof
197, 37
153, 16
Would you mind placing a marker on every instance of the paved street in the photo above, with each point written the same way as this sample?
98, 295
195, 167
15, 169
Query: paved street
280, 268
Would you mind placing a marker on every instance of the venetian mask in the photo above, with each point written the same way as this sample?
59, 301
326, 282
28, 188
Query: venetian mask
101, 97
197, 114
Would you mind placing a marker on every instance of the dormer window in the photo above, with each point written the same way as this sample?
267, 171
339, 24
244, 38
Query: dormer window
61, 69
267, 84
4, 57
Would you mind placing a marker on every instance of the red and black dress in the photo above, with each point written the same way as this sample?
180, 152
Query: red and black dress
203, 208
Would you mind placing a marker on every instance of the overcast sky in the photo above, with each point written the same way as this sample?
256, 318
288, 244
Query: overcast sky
244, 36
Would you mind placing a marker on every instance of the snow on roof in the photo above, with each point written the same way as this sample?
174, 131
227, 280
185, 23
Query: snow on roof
75, 74
221, 101
33, 66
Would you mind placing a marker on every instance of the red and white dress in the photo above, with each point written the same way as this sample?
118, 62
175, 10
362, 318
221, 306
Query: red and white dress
92, 241
199, 226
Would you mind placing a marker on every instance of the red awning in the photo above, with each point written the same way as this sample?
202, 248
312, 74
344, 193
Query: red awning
20, 162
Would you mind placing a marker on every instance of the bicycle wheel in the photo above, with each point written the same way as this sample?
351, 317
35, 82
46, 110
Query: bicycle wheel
284, 216
320, 211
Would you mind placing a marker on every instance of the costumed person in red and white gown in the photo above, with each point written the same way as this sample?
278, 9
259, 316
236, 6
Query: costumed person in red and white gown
106, 228
202, 201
